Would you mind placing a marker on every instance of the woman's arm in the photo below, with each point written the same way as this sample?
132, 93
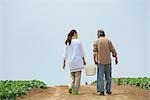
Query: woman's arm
82, 53
65, 56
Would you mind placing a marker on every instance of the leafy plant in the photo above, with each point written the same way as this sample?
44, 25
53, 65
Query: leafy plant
139, 82
11, 89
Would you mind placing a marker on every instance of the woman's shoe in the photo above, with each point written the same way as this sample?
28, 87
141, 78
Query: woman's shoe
70, 90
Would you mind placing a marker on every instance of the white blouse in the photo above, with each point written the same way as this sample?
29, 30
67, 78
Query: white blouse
73, 53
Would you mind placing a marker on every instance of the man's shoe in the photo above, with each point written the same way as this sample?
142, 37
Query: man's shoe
101, 93
109, 93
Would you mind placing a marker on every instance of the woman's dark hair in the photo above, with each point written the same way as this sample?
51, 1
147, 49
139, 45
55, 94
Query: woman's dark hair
69, 37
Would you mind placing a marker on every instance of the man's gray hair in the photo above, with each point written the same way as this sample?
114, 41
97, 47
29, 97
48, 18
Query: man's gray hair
100, 33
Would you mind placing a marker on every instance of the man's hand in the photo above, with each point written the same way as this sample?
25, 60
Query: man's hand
116, 60
95, 62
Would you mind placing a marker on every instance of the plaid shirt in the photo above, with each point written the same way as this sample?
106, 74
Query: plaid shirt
103, 48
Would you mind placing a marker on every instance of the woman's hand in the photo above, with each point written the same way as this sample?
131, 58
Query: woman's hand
84, 63
64, 65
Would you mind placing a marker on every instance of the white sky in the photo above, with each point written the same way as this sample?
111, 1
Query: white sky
32, 35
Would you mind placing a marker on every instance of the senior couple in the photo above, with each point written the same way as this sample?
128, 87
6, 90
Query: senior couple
102, 51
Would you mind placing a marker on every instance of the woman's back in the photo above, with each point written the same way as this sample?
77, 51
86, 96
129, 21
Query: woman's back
74, 49
74, 54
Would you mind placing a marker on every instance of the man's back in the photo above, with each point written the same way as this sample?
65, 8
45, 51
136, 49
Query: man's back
103, 47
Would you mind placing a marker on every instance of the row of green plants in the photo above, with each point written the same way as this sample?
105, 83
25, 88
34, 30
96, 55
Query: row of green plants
139, 82
10, 90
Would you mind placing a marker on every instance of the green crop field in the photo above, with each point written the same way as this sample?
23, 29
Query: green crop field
11, 89
139, 82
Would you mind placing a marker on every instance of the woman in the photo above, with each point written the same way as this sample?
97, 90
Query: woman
74, 54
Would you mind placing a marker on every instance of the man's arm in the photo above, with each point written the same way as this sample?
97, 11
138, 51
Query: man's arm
114, 53
95, 52
95, 58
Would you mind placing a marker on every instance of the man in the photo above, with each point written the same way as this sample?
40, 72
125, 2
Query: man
103, 48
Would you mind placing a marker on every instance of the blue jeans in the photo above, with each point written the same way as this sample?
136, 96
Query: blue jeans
101, 70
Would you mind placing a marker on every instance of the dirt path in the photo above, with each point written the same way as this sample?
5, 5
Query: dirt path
87, 93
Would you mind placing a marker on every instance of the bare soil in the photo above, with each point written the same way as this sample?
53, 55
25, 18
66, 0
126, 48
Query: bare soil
87, 92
